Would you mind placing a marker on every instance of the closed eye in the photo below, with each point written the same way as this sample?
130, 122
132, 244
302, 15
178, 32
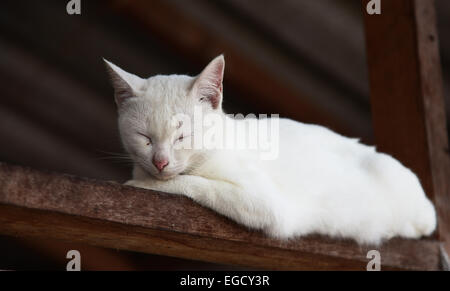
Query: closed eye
149, 140
181, 138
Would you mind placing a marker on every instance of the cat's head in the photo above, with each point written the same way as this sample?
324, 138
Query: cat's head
148, 108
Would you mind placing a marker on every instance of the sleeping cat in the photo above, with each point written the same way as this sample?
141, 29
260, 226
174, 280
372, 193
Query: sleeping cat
318, 182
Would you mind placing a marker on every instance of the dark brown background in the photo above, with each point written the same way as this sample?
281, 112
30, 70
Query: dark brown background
303, 59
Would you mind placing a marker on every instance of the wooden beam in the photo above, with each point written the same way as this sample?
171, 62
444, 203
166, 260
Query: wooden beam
407, 95
45, 205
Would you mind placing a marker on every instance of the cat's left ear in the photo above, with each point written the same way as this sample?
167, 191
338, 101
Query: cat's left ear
126, 85
209, 84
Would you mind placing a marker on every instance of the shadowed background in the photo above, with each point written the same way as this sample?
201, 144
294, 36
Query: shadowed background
299, 58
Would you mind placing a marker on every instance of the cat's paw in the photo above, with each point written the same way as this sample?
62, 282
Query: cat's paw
136, 183
129, 183
133, 183
173, 186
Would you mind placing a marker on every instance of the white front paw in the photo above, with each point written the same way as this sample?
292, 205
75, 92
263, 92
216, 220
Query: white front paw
136, 183
131, 183
170, 186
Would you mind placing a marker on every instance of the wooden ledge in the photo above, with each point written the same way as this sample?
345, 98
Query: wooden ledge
45, 205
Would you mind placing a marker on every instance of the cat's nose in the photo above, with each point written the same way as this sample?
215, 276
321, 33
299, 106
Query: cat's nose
160, 164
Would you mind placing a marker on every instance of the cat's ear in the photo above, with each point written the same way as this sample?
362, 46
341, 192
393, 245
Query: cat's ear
208, 86
125, 85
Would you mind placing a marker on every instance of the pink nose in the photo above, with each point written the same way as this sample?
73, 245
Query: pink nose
160, 164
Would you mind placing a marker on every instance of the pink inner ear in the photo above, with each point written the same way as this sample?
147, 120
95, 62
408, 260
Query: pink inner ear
218, 75
211, 94
215, 100
210, 84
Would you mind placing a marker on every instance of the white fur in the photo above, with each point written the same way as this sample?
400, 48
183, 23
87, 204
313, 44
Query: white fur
321, 182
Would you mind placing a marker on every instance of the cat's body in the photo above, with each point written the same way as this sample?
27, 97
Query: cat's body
320, 182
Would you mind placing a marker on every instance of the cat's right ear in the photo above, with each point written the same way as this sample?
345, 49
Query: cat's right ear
125, 85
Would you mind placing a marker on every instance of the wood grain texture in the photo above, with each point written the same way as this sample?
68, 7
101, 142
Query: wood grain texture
407, 96
45, 205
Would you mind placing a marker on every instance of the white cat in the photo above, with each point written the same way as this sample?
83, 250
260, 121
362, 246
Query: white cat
320, 182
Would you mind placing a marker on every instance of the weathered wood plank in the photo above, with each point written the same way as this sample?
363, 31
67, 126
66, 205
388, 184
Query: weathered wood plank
407, 95
39, 204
